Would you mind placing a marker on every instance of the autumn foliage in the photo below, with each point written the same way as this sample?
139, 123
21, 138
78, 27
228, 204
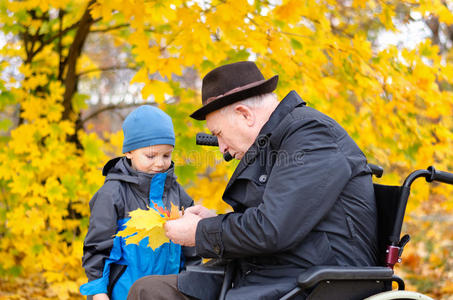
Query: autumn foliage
148, 223
395, 101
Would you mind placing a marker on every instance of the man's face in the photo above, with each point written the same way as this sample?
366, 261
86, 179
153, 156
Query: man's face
152, 159
232, 132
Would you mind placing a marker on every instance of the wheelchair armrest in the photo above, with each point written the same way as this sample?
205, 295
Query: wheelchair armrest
314, 275
213, 266
217, 270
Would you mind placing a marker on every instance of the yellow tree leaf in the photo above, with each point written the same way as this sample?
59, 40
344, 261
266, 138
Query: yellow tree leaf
148, 223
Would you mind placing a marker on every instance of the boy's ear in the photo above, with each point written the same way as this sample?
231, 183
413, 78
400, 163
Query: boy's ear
128, 154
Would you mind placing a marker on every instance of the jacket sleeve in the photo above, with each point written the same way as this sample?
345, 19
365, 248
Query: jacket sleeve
189, 256
184, 199
102, 228
309, 174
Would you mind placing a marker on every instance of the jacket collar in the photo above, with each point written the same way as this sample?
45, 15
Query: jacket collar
291, 101
288, 104
120, 169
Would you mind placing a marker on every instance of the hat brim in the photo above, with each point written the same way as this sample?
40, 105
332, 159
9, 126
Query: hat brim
263, 87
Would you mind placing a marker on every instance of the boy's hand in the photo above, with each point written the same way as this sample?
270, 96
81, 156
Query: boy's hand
182, 231
101, 297
201, 211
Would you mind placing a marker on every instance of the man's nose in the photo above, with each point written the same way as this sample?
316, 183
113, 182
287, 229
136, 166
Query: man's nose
222, 146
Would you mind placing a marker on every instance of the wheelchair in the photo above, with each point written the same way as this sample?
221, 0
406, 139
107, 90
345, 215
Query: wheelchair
352, 283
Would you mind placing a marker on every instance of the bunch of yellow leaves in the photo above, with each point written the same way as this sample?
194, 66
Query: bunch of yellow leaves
148, 223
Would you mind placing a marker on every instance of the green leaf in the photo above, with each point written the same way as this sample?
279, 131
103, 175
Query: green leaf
207, 65
279, 23
5, 124
296, 44
70, 184
79, 102
6, 98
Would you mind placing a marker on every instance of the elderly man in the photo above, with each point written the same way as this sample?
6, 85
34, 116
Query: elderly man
302, 194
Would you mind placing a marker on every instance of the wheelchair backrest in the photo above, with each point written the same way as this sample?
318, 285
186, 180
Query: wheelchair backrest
387, 203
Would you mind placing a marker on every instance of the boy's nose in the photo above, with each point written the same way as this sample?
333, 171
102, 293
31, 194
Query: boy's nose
160, 162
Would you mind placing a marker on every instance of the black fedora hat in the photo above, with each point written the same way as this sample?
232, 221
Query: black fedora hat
231, 83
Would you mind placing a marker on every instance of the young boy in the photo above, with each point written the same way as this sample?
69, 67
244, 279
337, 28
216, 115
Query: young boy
141, 179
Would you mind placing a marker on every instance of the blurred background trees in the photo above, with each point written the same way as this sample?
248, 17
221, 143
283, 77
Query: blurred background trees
71, 70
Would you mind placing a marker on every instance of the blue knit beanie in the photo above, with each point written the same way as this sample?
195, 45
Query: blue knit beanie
146, 126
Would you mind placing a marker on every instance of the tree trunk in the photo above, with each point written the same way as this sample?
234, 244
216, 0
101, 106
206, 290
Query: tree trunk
70, 81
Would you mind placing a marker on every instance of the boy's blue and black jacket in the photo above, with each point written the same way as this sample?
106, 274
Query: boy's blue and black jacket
111, 265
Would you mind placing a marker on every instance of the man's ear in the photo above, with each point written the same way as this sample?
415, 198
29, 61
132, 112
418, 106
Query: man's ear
128, 154
246, 114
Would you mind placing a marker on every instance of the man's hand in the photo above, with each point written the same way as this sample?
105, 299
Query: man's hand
182, 231
201, 211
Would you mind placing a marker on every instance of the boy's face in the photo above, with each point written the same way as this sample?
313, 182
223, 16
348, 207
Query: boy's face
152, 159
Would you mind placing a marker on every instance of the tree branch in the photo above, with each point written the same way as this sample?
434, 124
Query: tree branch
113, 107
26, 39
60, 34
172, 39
56, 36
60, 46
106, 69
110, 28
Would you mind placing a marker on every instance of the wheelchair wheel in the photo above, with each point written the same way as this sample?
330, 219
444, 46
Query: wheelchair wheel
399, 295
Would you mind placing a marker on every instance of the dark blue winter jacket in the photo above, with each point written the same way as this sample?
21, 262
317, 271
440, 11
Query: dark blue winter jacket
111, 265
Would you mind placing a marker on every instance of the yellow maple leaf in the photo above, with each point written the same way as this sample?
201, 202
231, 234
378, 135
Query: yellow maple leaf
157, 237
148, 223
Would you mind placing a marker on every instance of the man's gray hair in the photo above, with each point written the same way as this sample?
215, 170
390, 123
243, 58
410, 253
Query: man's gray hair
261, 101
